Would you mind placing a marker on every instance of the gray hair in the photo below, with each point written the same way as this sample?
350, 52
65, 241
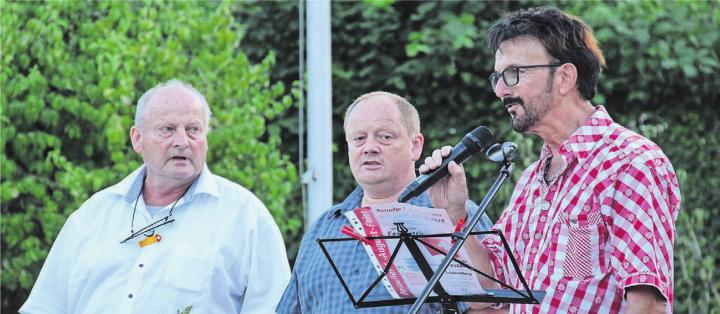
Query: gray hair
140, 109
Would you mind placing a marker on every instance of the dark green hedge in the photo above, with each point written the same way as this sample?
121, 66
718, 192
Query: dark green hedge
71, 72
661, 81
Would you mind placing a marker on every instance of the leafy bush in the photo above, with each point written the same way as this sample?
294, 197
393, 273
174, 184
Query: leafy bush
76, 62
661, 81
71, 74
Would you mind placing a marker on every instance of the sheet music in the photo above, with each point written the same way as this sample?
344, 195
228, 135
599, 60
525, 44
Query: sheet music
404, 279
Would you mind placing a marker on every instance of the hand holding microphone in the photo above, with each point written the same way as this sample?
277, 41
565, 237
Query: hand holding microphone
450, 191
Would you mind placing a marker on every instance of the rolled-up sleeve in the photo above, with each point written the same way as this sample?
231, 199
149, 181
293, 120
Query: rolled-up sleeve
644, 207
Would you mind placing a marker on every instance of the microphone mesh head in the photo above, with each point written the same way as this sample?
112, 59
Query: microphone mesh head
477, 140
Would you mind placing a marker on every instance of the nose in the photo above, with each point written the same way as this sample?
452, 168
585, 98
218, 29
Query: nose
371, 146
501, 90
180, 139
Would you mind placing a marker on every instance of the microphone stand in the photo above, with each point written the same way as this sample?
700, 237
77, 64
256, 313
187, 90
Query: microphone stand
508, 166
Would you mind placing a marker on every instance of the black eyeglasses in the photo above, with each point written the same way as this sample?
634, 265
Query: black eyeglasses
511, 75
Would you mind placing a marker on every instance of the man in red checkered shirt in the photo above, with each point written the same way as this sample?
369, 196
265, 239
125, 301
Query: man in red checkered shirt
592, 222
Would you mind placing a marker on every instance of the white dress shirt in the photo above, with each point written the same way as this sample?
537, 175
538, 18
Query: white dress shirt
222, 254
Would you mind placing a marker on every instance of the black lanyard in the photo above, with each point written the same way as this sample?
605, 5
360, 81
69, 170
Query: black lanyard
154, 225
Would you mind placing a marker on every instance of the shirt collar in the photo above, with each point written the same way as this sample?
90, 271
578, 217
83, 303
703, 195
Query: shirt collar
355, 198
585, 138
130, 187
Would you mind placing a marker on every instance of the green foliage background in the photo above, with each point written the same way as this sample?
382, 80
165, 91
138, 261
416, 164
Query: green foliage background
71, 73
661, 81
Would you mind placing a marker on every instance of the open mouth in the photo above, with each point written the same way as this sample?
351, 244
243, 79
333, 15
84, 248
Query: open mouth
510, 106
511, 102
179, 158
371, 163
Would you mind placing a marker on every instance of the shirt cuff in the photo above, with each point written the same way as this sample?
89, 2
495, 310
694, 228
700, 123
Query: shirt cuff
496, 264
646, 279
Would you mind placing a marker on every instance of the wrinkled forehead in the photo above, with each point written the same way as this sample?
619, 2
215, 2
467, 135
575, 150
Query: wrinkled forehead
175, 101
174, 95
521, 50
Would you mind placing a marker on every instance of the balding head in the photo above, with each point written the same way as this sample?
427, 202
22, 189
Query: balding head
167, 92
410, 117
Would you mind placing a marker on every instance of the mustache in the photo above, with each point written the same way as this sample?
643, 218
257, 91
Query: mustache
512, 100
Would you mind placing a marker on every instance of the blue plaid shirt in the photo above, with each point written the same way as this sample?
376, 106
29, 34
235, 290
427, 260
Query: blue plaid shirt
314, 287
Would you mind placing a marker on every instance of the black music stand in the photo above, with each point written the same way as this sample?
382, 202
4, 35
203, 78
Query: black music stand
503, 154
449, 302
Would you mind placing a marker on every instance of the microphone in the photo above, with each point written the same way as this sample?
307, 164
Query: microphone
473, 143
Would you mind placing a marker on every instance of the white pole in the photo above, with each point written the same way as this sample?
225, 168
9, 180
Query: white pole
319, 101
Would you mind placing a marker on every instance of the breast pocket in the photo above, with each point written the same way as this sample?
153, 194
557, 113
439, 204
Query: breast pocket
188, 273
586, 240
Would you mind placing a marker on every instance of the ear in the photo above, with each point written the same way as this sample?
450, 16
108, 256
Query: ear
417, 145
566, 76
135, 137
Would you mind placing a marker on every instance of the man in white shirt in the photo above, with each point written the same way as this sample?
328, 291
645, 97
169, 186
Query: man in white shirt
170, 236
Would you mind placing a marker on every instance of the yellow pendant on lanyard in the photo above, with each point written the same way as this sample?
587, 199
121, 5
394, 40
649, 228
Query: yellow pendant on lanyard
150, 240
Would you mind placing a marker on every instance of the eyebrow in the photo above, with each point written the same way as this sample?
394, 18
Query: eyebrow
508, 66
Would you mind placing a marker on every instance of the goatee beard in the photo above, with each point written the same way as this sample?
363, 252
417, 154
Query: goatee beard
520, 123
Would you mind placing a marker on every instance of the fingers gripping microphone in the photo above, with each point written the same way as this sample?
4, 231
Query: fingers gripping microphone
473, 143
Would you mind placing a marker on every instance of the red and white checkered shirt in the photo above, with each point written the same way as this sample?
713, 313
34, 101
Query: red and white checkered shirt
605, 223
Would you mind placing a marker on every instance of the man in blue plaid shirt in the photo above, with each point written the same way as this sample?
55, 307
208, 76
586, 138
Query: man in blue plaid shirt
384, 142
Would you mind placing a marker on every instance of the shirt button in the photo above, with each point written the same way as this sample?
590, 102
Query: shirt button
130, 296
538, 236
528, 267
545, 205
141, 265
